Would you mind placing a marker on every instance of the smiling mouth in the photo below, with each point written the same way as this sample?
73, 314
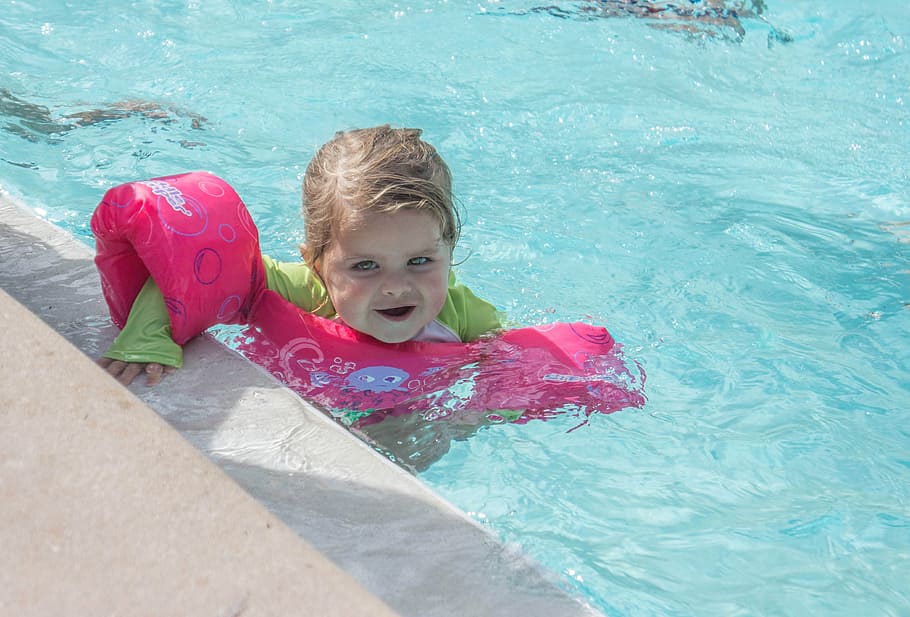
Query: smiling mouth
397, 313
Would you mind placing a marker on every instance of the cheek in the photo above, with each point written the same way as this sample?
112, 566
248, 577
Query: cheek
440, 289
346, 291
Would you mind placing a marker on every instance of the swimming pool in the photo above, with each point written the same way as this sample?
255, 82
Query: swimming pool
731, 210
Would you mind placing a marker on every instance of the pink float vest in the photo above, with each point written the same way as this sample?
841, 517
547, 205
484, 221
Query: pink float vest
194, 236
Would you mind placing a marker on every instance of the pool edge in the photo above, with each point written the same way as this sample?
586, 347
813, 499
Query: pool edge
96, 523
51, 274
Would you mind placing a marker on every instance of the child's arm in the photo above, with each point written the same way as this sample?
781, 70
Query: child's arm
296, 283
145, 343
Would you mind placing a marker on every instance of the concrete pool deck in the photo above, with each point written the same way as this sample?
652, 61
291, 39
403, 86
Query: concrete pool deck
218, 492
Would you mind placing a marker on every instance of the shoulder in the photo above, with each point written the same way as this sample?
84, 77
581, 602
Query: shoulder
466, 314
297, 283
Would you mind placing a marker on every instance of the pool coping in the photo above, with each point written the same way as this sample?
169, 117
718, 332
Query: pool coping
334, 509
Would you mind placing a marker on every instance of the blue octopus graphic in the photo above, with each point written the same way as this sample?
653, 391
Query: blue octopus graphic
377, 379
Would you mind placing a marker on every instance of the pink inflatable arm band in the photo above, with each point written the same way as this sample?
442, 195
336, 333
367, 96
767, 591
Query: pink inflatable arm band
193, 235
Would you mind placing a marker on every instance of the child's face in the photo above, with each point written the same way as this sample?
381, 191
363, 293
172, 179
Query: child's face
387, 275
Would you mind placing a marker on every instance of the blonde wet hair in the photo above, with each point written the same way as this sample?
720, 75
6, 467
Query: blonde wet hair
374, 170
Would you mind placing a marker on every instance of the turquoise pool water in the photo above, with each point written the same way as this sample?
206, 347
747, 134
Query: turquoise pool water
734, 208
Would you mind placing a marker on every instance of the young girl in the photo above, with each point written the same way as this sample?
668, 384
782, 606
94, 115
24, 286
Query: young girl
380, 227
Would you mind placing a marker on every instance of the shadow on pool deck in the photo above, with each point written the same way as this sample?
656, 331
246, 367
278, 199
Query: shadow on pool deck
107, 510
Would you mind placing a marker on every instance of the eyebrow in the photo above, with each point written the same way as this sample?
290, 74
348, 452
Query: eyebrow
440, 246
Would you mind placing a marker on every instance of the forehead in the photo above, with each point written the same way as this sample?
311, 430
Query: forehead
387, 236
406, 221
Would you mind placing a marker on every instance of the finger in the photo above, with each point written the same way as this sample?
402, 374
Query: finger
103, 362
129, 373
153, 373
114, 368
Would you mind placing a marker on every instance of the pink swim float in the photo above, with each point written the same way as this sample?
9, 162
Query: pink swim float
194, 236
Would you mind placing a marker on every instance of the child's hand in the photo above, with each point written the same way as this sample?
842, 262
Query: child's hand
126, 372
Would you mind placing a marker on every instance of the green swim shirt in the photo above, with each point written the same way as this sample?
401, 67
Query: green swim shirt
146, 337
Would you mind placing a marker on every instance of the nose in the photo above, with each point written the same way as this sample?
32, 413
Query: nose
396, 285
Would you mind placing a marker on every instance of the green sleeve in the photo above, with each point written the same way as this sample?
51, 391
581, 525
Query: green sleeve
146, 337
297, 284
467, 315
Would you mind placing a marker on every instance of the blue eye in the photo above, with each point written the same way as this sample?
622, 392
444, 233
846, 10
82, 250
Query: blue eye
419, 261
364, 266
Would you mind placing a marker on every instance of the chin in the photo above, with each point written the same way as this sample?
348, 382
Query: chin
394, 339
397, 336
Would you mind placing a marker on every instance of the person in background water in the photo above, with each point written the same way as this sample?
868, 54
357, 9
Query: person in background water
380, 229
37, 123
708, 17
